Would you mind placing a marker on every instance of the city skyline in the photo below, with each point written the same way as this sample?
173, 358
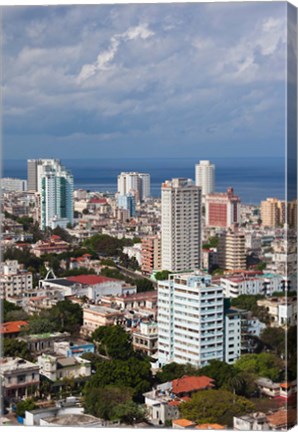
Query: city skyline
155, 79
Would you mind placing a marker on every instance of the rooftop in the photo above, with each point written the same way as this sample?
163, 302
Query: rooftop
8, 364
283, 417
210, 426
90, 279
12, 327
183, 423
189, 384
73, 419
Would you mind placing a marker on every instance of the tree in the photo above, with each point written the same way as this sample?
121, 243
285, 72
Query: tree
249, 303
162, 275
68, 315
133, 373
219, 371
102, 401
25, 405
114, 342
78, 271
7, 308
173, 370
274, 339
95, 359
261, 266
129, 413
144, 285
16, 315
215, 406
63, 234
16, 348
262, 365
41, 324
242, 383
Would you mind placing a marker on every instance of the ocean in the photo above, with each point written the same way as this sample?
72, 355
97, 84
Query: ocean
253, 179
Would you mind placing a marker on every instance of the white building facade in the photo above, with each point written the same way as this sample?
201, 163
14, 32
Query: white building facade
14, 280
190, 320
55, 185
134, 182
180, 225
205, 177
13, 185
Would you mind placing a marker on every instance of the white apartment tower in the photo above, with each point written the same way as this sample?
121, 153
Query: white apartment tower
205, 177
34, 167
134, 182
180, 225
190, 320
55, 186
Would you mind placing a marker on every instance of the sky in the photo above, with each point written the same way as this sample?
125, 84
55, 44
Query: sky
157, 80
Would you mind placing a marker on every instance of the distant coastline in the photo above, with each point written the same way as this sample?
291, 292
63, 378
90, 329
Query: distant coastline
253, 179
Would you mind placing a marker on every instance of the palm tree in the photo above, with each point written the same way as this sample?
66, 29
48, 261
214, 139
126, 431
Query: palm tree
235, 383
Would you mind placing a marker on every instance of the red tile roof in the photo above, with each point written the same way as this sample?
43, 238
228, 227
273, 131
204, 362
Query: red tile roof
12, 327
174, 403
90, 279
183, 422
189, 384
283, 417
210, 426
98, 201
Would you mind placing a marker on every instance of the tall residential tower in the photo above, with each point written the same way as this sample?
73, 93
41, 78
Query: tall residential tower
180, 225
134, 182
205, 177
55, 187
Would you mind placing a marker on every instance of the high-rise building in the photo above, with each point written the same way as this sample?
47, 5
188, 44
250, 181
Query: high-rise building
205, 177
190, 320
222, 209
34, 173
180, 225
273, 213
127, 202
232, 333
231, 251
55, 185
151, 254
139, 183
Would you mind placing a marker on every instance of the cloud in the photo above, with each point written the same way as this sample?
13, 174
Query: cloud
188, 75
105, 57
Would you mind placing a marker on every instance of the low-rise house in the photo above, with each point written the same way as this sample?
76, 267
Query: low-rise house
54, 245
268, 387
43, 342
12, 329
287, 389
19, 378
248, 422
182, 424
282, 310
66, 412
135, 301
55, 368
73, 349
97, 316
163, 402
187, 385
283, 419
92, 286
145, 337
